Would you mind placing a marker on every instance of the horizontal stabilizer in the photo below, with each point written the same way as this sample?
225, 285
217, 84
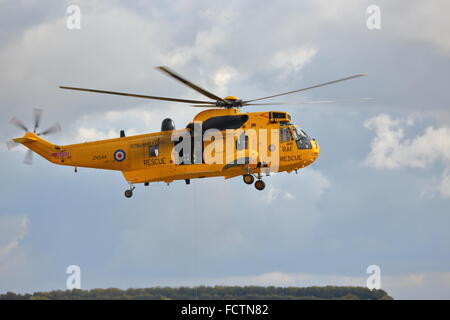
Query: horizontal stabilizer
25, 139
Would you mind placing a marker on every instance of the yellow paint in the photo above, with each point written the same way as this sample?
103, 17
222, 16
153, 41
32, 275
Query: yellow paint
230, 98
137, 166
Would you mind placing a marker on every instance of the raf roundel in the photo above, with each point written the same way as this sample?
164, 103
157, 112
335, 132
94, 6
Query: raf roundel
119, 155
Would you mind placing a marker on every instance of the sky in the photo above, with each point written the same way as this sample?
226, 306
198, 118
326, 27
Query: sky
379, 193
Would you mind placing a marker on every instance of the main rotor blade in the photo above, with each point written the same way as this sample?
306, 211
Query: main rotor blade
191, 85
308, 88
19, 124
205, 106
54, 128
28, 157
37, 118
137, 95
265, 104
289, 103
310, 102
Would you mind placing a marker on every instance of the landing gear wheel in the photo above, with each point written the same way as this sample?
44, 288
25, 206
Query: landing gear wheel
128, 193
248, 178
260, 185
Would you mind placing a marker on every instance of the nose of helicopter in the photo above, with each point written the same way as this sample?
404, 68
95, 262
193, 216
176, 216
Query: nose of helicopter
315, 149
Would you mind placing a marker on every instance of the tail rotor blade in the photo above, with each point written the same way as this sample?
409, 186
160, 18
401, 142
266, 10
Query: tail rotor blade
53, 129
19, 124
11, 144
37, 118
28, 157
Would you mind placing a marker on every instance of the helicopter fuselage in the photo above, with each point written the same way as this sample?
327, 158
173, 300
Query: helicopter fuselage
231, 144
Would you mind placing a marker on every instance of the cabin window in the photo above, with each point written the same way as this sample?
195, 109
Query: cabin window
225, 122
153, 150
242, 142
285, 135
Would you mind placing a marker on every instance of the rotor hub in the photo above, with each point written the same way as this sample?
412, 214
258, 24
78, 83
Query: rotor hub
229, 102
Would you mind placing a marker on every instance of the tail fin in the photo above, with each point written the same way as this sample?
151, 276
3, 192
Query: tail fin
42, 147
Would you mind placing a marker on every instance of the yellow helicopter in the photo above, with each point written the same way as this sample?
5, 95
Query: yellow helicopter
221, 141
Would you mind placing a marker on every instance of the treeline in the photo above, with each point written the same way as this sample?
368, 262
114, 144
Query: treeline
208, 293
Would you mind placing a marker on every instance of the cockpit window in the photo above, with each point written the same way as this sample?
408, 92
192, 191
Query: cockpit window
302, 139
299, 133
285, 135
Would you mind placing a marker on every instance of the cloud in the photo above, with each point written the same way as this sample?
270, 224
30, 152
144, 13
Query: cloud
138, 120
317, 182
222, 78
214, 31
13, 230
217, 221
272, 194
294, 59
286, 279
15, 263
412, 21
44, 57
444, 185
416, 23
214, 226
385, 143
390, 149
92, 134
425, 285
288, 195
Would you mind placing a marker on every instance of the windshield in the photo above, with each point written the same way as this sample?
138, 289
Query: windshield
299, 133
302, 139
